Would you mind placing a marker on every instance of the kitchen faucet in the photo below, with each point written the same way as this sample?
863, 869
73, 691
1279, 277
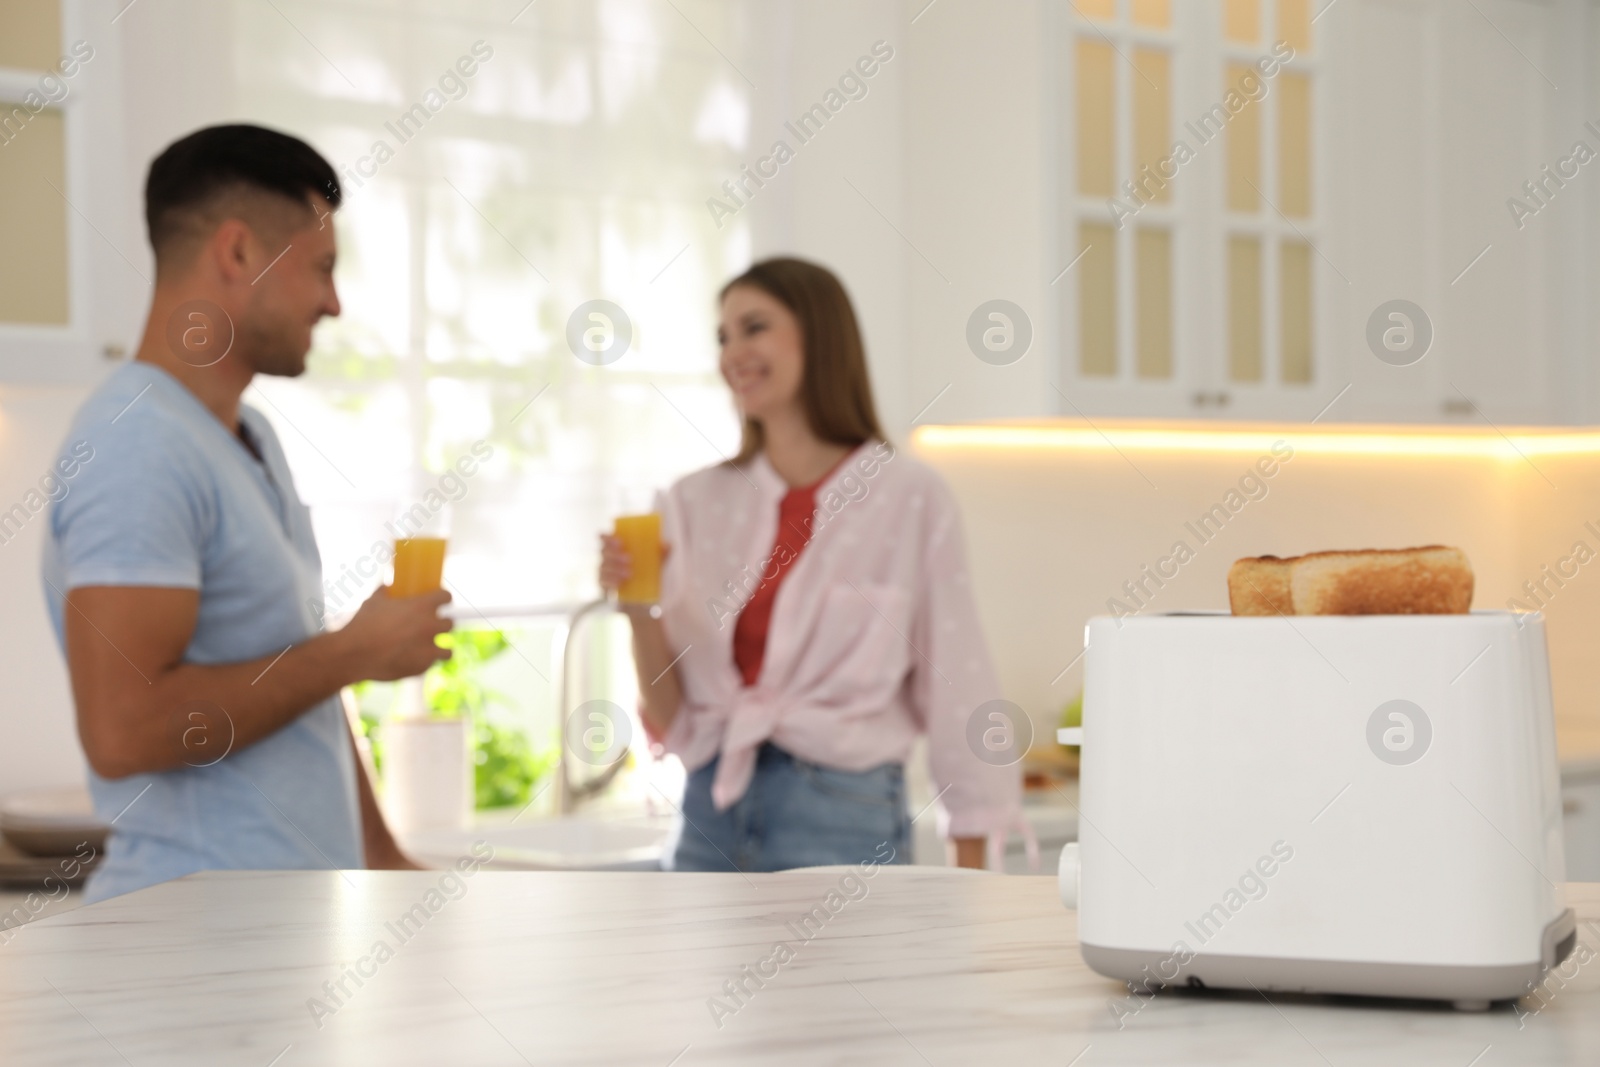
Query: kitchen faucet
572, 792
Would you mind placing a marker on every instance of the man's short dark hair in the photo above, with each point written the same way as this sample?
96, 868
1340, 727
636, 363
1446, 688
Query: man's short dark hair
208, 175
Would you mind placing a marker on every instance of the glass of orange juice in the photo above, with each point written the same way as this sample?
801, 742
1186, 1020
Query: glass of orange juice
641, 538
419, 544
418, 565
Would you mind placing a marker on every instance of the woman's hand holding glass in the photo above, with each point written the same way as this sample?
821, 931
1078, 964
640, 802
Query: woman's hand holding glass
616, 568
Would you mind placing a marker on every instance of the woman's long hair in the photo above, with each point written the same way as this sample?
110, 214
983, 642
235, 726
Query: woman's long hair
834, 387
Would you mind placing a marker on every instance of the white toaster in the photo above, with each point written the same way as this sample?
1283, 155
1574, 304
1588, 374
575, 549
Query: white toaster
1366, 805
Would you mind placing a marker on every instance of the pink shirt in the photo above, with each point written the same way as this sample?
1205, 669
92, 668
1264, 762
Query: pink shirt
874, 634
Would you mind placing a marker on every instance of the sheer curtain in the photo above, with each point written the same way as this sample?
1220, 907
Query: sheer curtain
504, 164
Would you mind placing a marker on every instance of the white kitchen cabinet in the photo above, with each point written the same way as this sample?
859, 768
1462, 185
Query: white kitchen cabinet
77, 272
1426, 119
1440, 115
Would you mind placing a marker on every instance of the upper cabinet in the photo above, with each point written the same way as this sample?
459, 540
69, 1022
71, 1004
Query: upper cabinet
66, 283
1279, 209
1193, 206
35, 289
1455, 128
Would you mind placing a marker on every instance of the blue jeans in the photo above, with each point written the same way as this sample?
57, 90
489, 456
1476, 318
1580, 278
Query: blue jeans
795, 814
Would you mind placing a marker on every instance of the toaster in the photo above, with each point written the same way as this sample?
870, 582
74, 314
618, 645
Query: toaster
1364, 805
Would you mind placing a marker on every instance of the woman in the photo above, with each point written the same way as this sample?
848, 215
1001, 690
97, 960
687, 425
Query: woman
815, 611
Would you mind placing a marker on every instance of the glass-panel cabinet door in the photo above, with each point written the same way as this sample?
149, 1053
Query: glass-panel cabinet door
1270, 212
34, 286
1121, 208
73, 277
1191, 207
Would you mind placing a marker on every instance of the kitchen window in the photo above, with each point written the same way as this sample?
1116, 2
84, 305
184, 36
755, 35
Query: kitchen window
483, 210
571, 165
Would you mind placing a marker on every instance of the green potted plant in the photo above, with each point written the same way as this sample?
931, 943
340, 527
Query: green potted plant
453, 712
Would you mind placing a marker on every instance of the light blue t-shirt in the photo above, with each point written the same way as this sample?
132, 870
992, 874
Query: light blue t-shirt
172, 498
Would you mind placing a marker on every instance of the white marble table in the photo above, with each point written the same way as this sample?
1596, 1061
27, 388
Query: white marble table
930, 966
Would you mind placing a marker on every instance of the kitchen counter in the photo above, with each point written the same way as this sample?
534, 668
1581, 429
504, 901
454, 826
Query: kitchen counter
922, 966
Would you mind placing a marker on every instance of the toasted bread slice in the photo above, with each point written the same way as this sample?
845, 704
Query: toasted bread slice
1433, 580
1260, 586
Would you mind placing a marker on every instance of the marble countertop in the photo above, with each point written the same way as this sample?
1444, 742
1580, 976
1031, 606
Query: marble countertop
912, 966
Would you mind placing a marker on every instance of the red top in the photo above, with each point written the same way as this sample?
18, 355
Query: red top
795, 514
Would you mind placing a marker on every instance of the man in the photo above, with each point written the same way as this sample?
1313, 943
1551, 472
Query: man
181, 569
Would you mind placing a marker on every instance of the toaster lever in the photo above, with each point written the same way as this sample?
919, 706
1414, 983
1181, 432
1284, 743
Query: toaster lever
1069, 873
